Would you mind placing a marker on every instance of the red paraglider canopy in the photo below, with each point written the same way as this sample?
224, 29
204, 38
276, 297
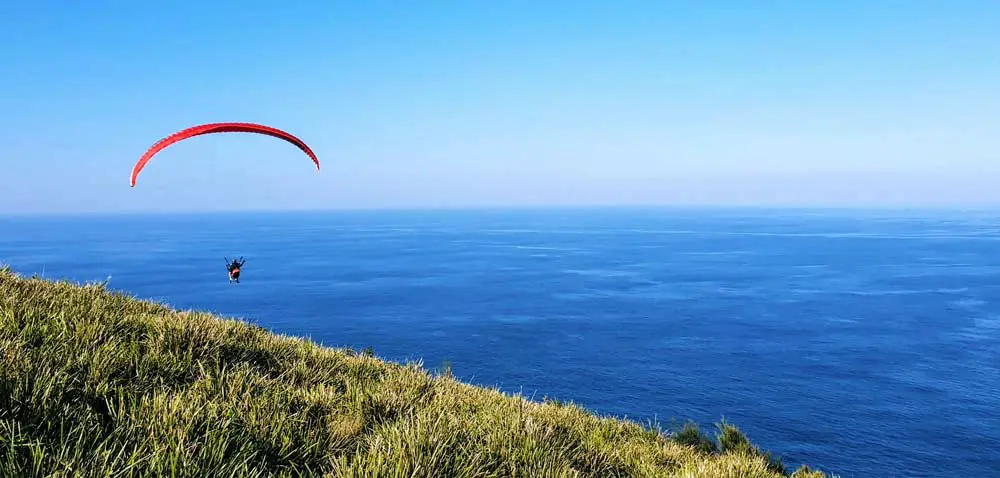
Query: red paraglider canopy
218, 128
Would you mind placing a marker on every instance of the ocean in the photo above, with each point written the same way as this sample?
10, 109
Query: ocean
866, 343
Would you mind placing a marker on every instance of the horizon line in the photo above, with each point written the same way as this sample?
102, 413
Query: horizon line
522, 207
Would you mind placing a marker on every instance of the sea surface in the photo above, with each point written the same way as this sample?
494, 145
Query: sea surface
866, 343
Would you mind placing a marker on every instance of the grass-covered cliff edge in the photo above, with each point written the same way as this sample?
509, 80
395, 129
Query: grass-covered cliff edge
95, 383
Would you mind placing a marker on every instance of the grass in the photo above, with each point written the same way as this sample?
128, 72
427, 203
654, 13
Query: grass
98, 384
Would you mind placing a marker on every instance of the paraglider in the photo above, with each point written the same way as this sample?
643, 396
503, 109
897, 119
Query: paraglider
234, 269
209, 128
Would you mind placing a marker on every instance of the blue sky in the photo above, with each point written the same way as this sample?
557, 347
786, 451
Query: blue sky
465, 104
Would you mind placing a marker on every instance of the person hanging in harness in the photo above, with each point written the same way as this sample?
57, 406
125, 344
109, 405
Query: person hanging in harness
234, 268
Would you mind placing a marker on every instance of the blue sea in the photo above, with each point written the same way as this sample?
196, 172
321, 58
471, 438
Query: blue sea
866, 343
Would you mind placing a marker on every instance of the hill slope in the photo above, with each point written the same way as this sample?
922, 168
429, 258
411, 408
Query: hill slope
94, 383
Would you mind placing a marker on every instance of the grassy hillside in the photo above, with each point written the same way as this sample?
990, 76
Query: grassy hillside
94, 383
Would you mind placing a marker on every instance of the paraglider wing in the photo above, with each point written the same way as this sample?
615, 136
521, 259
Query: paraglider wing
218, 128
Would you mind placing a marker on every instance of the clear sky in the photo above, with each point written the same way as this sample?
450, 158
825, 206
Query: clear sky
474, 103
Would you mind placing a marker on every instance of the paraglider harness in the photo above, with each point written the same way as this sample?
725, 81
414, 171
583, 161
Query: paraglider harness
234, 268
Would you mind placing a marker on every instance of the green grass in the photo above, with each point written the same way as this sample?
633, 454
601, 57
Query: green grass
98, 384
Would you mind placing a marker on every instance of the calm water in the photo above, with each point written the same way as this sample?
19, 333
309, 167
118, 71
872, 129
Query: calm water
864, 343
